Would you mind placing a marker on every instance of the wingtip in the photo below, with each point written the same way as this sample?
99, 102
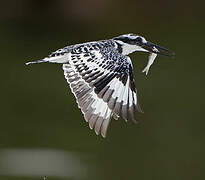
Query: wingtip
139, 109
103, 135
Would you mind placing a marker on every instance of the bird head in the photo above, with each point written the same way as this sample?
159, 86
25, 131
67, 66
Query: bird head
129, 43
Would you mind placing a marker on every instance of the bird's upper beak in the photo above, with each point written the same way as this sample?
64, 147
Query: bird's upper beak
150, 47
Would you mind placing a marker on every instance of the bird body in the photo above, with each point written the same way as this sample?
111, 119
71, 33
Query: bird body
100, 75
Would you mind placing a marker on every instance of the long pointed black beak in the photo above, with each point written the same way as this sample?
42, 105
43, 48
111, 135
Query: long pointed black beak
157, 49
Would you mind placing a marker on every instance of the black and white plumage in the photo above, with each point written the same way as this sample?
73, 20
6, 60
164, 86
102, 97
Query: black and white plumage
100, 75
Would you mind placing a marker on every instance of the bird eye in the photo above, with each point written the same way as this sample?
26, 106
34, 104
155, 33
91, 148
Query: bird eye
138, 39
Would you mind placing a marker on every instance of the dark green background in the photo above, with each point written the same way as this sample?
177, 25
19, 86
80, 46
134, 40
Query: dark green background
39, 111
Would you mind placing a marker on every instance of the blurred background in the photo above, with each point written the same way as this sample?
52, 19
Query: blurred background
43, 134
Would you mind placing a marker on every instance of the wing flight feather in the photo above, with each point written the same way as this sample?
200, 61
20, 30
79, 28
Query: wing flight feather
103, 87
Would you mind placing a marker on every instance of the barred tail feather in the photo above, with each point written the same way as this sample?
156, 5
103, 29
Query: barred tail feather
36, 62
56, 59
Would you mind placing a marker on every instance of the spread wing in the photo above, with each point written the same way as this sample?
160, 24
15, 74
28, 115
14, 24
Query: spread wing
103, 85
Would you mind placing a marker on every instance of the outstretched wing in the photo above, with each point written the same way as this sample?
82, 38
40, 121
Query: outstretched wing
102, 82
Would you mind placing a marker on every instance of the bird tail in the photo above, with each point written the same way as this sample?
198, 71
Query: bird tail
36, 62
56, 59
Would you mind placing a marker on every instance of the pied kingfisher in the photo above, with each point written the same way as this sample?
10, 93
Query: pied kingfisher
100, 75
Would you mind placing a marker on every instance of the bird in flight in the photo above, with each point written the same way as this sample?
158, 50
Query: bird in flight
100, 75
